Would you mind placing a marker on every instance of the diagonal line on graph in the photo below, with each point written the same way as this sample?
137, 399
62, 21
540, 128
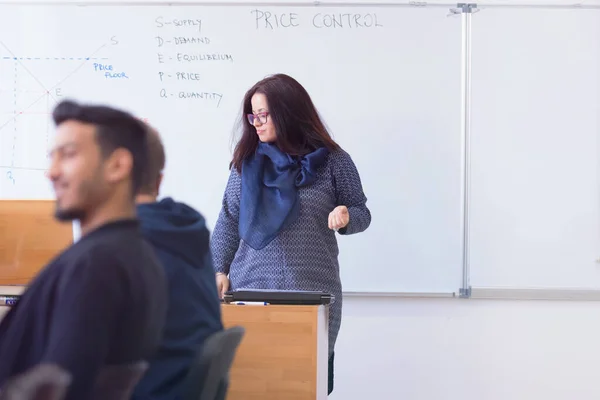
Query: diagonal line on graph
22, 111
53, 87
23, 65
79, 67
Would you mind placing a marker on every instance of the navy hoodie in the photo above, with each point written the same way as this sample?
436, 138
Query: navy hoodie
179, 236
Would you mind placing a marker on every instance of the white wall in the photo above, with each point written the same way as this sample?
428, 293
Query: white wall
458, 349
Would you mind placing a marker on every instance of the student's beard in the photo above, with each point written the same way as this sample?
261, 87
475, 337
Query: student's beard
69, 214
86, 192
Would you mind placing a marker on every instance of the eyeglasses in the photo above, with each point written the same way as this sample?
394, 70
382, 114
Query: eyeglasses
262, 118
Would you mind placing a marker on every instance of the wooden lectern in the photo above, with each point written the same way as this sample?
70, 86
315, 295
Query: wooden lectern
29, 238
283, 354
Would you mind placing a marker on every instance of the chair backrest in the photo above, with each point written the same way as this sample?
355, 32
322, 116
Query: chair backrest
116, 382
209, 375
42, 382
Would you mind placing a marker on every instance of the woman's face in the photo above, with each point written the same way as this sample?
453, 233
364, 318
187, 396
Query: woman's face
261, 119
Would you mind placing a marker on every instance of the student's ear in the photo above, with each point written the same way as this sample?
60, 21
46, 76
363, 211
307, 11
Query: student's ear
118, 166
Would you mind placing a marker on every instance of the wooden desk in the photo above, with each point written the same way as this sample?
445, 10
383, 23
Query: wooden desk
29, 238
283, 354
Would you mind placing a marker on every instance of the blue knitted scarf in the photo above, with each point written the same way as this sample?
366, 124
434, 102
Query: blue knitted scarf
269, 198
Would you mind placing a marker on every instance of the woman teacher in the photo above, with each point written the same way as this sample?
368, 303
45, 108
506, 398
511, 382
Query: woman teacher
291, 188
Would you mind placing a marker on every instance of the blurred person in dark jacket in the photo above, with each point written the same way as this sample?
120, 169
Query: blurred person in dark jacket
179, 235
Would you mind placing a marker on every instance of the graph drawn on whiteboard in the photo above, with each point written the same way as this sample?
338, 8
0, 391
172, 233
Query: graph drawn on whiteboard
30, 87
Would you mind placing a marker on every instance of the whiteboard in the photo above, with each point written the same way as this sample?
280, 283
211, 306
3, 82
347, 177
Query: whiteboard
386, 81
535, 201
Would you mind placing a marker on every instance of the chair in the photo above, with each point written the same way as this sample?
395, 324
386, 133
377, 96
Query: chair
208, 378
42, 382
116, 382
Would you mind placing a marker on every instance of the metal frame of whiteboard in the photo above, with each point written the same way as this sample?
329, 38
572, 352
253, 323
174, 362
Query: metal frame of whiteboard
313, 3
227, 3
414, 295
499, 293
467, 13
496, 293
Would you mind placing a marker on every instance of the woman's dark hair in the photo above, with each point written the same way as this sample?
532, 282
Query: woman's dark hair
297, 122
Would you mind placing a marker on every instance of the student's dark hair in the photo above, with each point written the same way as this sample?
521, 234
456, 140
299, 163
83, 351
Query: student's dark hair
114, 129
298, 126
155, 161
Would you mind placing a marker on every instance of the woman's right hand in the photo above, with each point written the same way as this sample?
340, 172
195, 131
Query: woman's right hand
222, 284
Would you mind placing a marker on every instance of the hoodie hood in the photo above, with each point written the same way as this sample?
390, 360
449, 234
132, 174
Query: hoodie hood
175, 228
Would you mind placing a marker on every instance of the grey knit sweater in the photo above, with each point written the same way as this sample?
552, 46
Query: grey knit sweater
303, 256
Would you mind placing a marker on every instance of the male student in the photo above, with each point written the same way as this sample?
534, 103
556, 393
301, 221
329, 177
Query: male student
103, 300
181, 239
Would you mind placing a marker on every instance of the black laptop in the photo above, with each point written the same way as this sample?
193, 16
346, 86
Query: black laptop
291, 297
